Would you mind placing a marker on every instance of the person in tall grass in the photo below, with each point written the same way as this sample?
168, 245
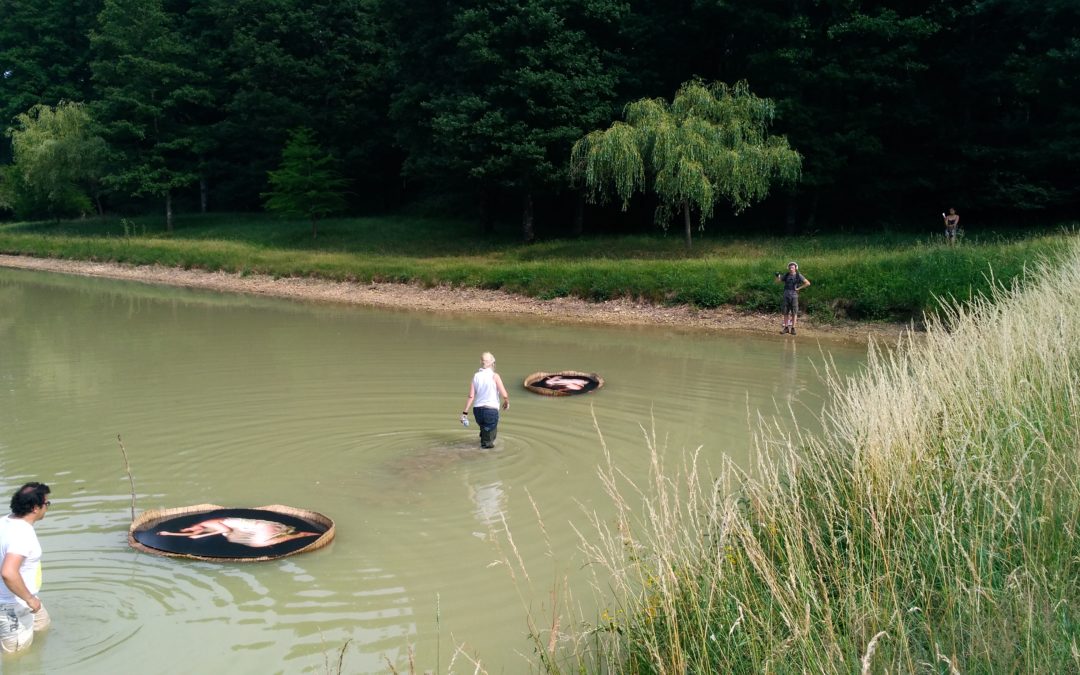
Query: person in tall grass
485, 389
793, 282
952, 222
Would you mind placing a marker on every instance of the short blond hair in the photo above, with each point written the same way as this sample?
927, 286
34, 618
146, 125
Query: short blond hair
487, 359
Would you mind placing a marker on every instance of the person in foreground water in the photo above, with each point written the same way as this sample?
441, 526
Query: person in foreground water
21, 611
485, 389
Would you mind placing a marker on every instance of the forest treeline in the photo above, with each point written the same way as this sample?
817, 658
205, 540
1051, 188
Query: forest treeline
898, 108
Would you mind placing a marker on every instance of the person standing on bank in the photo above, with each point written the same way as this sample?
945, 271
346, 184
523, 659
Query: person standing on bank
21, 611
793, 283
485, 389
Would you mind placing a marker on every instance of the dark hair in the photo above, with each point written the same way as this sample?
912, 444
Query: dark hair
28, 497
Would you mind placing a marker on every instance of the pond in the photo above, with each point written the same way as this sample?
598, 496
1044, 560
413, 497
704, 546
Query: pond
354, 413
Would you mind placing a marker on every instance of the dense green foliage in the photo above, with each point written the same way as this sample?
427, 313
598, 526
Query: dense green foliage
894, 276
517, 84
899, 108
708, 145
44, 55
930, 527
58, 163
307, 184
149, 95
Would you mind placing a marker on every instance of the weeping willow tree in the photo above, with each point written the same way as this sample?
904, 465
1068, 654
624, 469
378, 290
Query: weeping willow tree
58, 163
711, 143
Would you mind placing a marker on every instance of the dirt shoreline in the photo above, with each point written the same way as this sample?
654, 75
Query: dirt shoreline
446, 299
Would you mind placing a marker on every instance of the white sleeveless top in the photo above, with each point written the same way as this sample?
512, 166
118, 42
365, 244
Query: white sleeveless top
487, 394
17, 536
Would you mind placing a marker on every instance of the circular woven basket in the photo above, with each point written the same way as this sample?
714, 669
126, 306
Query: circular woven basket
535, 383
148, 520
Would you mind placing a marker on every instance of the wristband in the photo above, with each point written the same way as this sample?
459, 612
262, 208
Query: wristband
464, 412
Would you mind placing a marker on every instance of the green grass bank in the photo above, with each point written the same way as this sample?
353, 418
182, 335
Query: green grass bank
933, 526
872, 277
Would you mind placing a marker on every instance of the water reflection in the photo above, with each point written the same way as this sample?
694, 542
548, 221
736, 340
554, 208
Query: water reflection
490, 500
790, 385
247, 402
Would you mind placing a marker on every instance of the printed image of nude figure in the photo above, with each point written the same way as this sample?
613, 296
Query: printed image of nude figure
561, 383
245, 531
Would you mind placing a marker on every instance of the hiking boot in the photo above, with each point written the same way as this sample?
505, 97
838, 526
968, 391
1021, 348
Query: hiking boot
793, 330
785, 330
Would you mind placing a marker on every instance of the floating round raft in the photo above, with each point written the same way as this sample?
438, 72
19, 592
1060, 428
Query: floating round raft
563, 383
212, 532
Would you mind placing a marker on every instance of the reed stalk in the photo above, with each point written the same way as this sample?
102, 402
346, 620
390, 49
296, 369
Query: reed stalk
127, 470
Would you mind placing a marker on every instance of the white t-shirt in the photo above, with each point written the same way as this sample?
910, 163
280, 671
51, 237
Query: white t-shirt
17, 536
487, 394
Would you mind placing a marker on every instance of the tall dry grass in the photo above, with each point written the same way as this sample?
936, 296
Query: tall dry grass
931, 527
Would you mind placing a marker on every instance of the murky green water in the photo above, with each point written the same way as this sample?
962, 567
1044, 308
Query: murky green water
354, 413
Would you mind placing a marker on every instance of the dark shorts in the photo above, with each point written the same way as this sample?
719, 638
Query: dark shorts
791, 302
950, 233
486, 418
488, 421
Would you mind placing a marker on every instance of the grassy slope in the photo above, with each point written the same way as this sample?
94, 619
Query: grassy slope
932, 527
888, 276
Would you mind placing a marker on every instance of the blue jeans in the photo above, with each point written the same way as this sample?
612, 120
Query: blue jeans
488, 421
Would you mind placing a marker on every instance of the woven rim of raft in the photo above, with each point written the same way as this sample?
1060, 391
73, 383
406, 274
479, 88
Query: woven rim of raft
531, 380
149, 519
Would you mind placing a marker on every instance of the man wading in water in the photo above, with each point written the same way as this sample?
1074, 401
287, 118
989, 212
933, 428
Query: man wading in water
793, 283
486, 388
21, 611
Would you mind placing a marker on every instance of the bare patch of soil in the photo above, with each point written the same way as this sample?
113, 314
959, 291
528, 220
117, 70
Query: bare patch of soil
465, 300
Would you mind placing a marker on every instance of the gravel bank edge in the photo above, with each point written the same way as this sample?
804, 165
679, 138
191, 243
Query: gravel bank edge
447, 299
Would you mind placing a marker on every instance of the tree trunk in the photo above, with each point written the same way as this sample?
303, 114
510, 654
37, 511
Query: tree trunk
314, 228
579, 218
100, 208
168, 212
791, 225
812, 216
487, 221
528, 234
204, 193
686, 222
